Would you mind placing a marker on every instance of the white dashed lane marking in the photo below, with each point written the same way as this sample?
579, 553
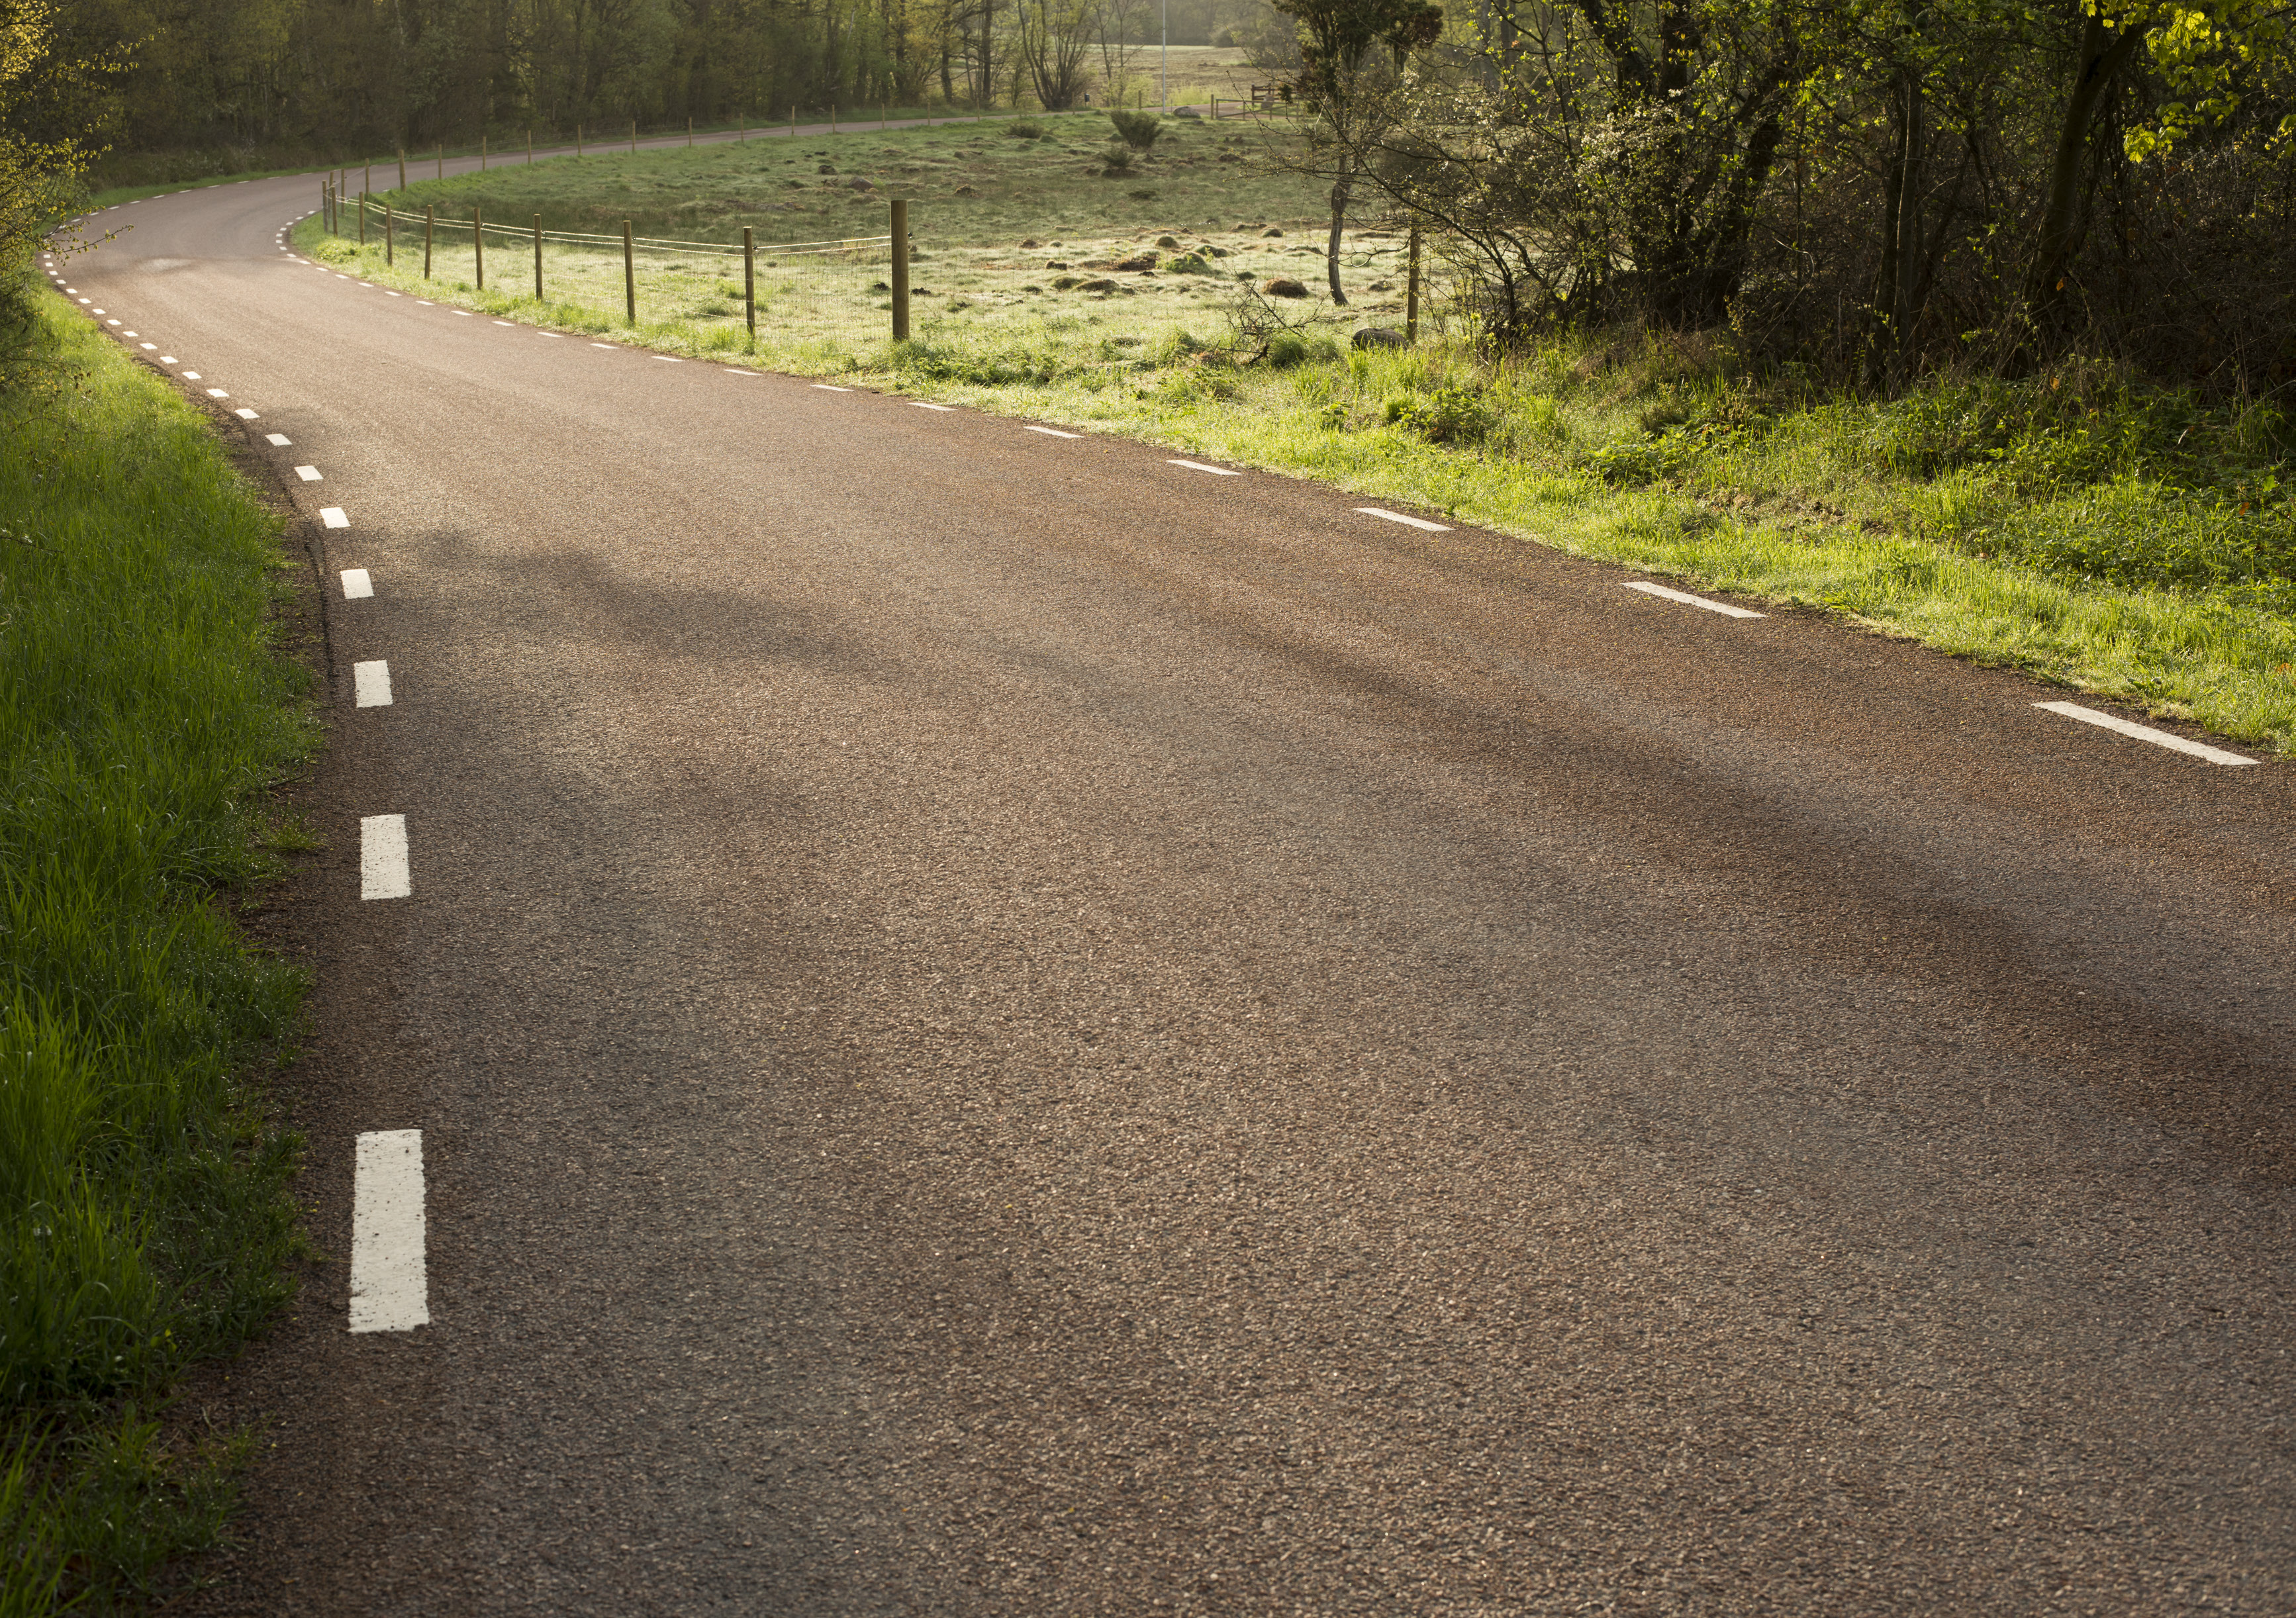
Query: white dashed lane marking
310, 474
1396, 516
1217, 472
358, 584
382, 858
922, 405
333, 516
1688, 600
245, 416
370, 683
279, 439
831, 388
390, 1287
1050, 432
2145, 733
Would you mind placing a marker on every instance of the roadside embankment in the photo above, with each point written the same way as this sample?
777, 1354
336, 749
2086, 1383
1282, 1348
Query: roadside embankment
147, 706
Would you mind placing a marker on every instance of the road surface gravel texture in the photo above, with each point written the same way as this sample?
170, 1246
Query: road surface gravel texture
1003, 1026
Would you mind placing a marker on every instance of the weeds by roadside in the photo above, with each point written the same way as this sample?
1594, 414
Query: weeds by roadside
144, 1220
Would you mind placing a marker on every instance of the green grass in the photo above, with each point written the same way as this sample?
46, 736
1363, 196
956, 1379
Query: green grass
2102, 535
144, 1220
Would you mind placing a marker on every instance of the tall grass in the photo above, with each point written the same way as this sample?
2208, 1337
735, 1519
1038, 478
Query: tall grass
143, 711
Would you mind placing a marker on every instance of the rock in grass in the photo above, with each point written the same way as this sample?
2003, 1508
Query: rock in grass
1030, 242
1138, 262
1056, 264
1101, 284
1168, 241
1067, 282
1284, 286
966, 191
858, 184
1271, 230
1380, 337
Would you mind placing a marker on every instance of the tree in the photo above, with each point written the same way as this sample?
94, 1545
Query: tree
1351, 54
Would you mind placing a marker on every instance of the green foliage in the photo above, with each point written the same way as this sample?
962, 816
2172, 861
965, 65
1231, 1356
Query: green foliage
1137, 130
144, 1214
40, 172
1449, 415
1027, 129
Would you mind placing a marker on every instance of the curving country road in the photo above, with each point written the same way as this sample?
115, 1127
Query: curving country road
1001, 1025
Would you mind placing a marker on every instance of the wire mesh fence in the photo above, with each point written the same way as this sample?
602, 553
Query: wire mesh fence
798, 291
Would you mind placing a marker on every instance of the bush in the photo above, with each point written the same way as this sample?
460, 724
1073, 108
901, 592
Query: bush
1450, 415
1137, 130
1025, 130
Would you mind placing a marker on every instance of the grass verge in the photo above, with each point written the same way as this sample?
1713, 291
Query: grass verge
144, 1215
2125, 540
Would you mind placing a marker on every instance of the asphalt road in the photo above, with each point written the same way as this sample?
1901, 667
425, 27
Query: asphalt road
1001, 1026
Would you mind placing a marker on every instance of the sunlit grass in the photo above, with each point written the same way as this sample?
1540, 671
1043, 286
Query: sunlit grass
144, 711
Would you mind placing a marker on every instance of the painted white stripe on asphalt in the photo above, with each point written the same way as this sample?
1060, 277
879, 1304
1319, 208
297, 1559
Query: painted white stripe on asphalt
391, 1285
506, 323
1688, 600
922, 405
382, 858
169, 359
1221, 472
310, 474
358, 584
388, 293
1396, 516
2145, 733
370, 683
1050, 432
131, 333
217, 393
147, 345
333, 516
246, 415
114, 322
191, 376
279, 439
736, 370
669, 359
831, 388
602, 345
465, 314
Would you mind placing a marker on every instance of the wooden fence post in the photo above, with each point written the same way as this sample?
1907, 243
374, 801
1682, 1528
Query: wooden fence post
389, 235
537, 257
629, 278
750, 282
479, 244
1411, 295
430, 225
900, 271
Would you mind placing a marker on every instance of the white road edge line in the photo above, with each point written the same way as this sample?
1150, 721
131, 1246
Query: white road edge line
2145, 733
831, 388
247, 415
1688, 600
390, 1284
382, 858
922, 405
310, 474
1217, 472
1396, 516
280, 439
358, 584
370, 683
333, 516
1050, 432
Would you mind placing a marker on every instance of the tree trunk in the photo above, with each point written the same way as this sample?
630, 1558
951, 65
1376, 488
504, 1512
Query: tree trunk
1340, 189
2101, 56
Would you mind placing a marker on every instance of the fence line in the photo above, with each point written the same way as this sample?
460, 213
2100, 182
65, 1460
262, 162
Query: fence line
588, 252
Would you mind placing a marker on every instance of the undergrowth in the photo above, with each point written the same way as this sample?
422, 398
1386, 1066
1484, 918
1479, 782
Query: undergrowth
144, 1220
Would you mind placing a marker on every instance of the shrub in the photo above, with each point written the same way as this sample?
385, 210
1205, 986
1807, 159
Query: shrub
1025, 130
1137, 130
1450, 415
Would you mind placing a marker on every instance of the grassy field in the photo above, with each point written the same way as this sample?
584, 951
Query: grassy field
145, 1219
2109, 536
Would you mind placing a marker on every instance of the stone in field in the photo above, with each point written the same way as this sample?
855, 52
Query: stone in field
1380, 337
